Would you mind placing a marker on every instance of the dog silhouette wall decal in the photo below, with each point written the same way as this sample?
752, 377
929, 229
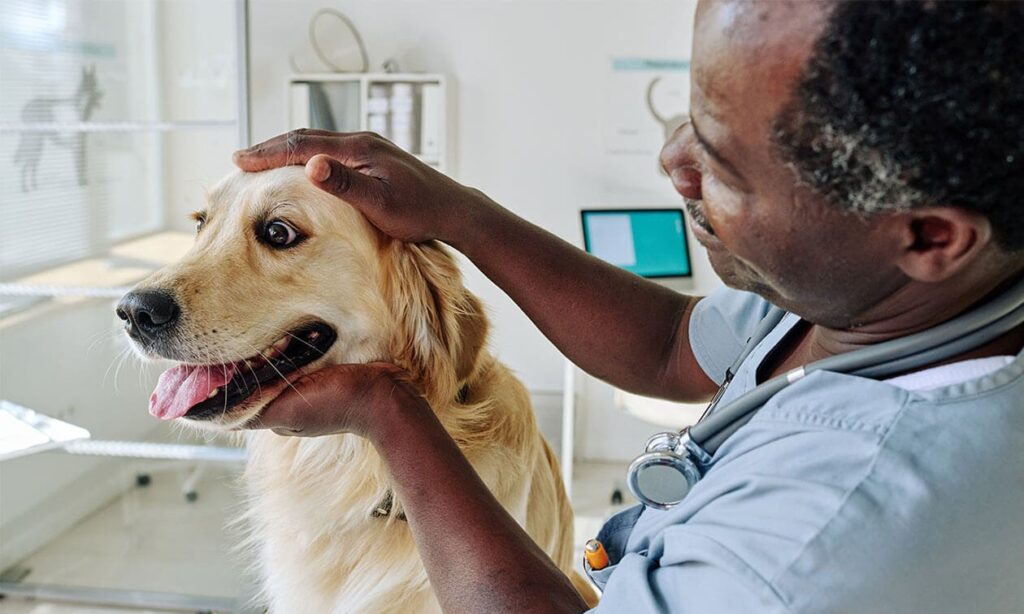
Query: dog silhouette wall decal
42, 110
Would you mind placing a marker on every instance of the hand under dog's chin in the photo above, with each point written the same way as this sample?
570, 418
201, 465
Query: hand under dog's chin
246, 415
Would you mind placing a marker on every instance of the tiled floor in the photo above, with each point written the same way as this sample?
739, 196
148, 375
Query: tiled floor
152, 539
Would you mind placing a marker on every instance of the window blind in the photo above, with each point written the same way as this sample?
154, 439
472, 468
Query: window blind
84, 112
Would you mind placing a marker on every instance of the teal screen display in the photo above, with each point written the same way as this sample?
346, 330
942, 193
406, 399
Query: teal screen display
648, 242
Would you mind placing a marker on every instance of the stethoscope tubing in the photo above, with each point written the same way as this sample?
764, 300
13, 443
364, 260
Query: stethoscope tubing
959, 346
948, 339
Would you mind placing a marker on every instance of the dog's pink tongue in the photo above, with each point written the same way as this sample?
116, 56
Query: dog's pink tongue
181, 388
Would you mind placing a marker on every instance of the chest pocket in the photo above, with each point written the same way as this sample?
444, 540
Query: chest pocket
613, 536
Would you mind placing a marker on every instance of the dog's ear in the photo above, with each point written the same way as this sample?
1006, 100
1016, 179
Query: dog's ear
442, 327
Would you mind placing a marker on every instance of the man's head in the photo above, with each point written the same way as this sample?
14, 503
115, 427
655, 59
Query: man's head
846, 154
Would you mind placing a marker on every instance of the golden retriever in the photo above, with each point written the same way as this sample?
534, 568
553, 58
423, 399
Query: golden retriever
284, 279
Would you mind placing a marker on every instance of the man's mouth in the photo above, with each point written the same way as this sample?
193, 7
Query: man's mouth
697, 215
205, 392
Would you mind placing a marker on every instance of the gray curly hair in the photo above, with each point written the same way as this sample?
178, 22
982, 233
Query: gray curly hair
911, 103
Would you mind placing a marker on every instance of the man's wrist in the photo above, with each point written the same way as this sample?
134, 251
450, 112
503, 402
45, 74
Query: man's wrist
472, 220
399, 419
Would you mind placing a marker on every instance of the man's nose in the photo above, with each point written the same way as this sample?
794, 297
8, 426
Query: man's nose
148, 312
678, 158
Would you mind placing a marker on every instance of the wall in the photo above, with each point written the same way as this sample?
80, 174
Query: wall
198, 76
531, 114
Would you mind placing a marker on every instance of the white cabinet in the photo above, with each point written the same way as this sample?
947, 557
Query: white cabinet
408, 109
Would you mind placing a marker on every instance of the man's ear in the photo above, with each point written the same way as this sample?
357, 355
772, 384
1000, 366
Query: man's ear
938, 242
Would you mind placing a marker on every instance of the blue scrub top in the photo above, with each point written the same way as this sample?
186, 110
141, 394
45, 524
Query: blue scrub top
843, 494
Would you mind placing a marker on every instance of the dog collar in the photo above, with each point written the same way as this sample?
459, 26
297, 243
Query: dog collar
385, 507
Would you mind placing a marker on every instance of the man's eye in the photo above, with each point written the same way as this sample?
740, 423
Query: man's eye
279, 234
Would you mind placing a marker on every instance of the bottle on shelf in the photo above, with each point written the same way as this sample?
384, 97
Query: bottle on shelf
377, 108
404, 123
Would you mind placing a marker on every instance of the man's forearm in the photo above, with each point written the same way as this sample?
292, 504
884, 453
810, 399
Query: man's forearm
477, 557
617, 326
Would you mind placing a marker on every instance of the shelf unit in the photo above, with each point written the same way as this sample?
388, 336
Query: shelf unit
409, 109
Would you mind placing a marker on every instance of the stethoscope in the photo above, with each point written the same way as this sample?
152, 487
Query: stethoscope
673, 462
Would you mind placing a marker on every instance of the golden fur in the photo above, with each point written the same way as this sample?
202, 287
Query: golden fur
319, 549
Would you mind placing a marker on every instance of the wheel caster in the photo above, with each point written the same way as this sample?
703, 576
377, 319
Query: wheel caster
191, 496
142, 480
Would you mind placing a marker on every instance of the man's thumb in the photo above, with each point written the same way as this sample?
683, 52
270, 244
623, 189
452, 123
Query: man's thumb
335, 178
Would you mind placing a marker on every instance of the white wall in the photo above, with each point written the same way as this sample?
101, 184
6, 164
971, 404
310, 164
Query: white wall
198, 76
532, 84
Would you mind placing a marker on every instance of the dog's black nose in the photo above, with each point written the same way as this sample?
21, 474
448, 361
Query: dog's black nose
149, 312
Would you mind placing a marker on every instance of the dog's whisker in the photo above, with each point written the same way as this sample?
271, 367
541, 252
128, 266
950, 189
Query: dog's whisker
259, 388
290, 385
255, 378
114, 361
275, 329
122, 359
100, 336
224, 368
142, 372
223, 365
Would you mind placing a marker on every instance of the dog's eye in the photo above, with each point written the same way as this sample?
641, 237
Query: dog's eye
279, 234
199, 224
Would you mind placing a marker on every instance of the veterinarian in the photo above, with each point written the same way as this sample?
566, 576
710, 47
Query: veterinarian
859, 165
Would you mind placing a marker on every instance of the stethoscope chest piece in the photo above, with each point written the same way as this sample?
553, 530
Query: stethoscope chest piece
665, 473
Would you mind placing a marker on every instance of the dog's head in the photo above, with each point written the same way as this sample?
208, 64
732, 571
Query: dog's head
284, 279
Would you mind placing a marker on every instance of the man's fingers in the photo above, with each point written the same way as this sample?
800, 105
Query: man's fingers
289, 149
288, 409
318, 403
298, 146
335, 178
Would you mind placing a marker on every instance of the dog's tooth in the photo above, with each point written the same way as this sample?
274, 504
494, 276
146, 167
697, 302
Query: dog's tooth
277, 348
313, 335
213, 393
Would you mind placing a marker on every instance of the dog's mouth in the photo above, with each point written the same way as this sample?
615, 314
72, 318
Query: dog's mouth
207, 392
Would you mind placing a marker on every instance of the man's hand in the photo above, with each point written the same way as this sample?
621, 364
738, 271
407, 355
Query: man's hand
340, 399
404, 197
